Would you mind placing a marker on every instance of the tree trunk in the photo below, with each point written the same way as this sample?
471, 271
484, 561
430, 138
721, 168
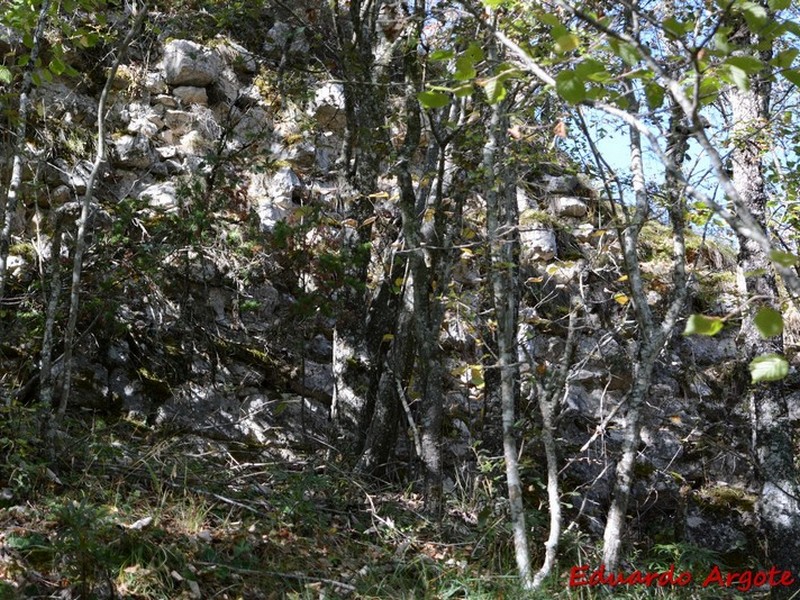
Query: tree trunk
778, 506
501, 229
83, 221
548, 396
9, 208
363, 61
381, 431
652, 335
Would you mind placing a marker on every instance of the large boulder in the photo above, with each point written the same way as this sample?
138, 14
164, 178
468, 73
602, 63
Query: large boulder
133, 152
273, 195
327, 107
537, 241
189, 63
569, 206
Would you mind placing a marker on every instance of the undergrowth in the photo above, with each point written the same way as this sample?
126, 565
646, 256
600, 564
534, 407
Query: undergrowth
127, 512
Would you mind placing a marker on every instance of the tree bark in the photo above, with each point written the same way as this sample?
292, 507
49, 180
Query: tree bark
501, 231
778, 507
83, 221
9, 208
363, 62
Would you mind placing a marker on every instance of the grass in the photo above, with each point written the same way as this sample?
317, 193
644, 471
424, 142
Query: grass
133, 514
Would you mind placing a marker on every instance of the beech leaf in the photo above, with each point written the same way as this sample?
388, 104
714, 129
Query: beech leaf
768, 367
570, 87
702, 325
769, 322
784, 259
433, 99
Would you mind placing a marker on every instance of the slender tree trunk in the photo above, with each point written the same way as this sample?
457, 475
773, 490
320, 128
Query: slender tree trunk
652, 336
548, 396
9, 208
364, 60
501, 226
779, 509
426, 330
83, 221
46, 379
381, 433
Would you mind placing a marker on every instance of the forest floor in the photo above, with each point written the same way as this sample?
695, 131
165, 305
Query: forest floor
128, 512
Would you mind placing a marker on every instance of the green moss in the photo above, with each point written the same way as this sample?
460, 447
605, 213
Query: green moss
724, 498
23, 249
655, 243
531, 216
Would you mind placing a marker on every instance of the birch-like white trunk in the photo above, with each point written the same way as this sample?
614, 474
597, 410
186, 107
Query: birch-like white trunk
9, 208
83, 220
499, 215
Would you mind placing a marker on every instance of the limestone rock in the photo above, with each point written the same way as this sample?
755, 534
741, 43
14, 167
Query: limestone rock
161, 196
273, 195
189, 63
75, 176
282, 34
567, 185
327, 107
60, 195
166, 100
569, 206
133, 152
525, 201
189, 94
154, 83
538, 242
239, 57
179, 122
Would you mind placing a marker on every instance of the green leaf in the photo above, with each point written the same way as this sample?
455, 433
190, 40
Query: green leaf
465, 69
709, 90
702, 325
783, 259
474, 52
570, 86
5, 74
463, 91
655, 95
674, 28
441, 55
592, 69
769, 322
768, 367
433, 99
785, 59
749, 64
57, 67
754, 14
495, 90
550, 19
567, 43
792, 75
779, 4
493, 3
627, 52
721, 42
736, 76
